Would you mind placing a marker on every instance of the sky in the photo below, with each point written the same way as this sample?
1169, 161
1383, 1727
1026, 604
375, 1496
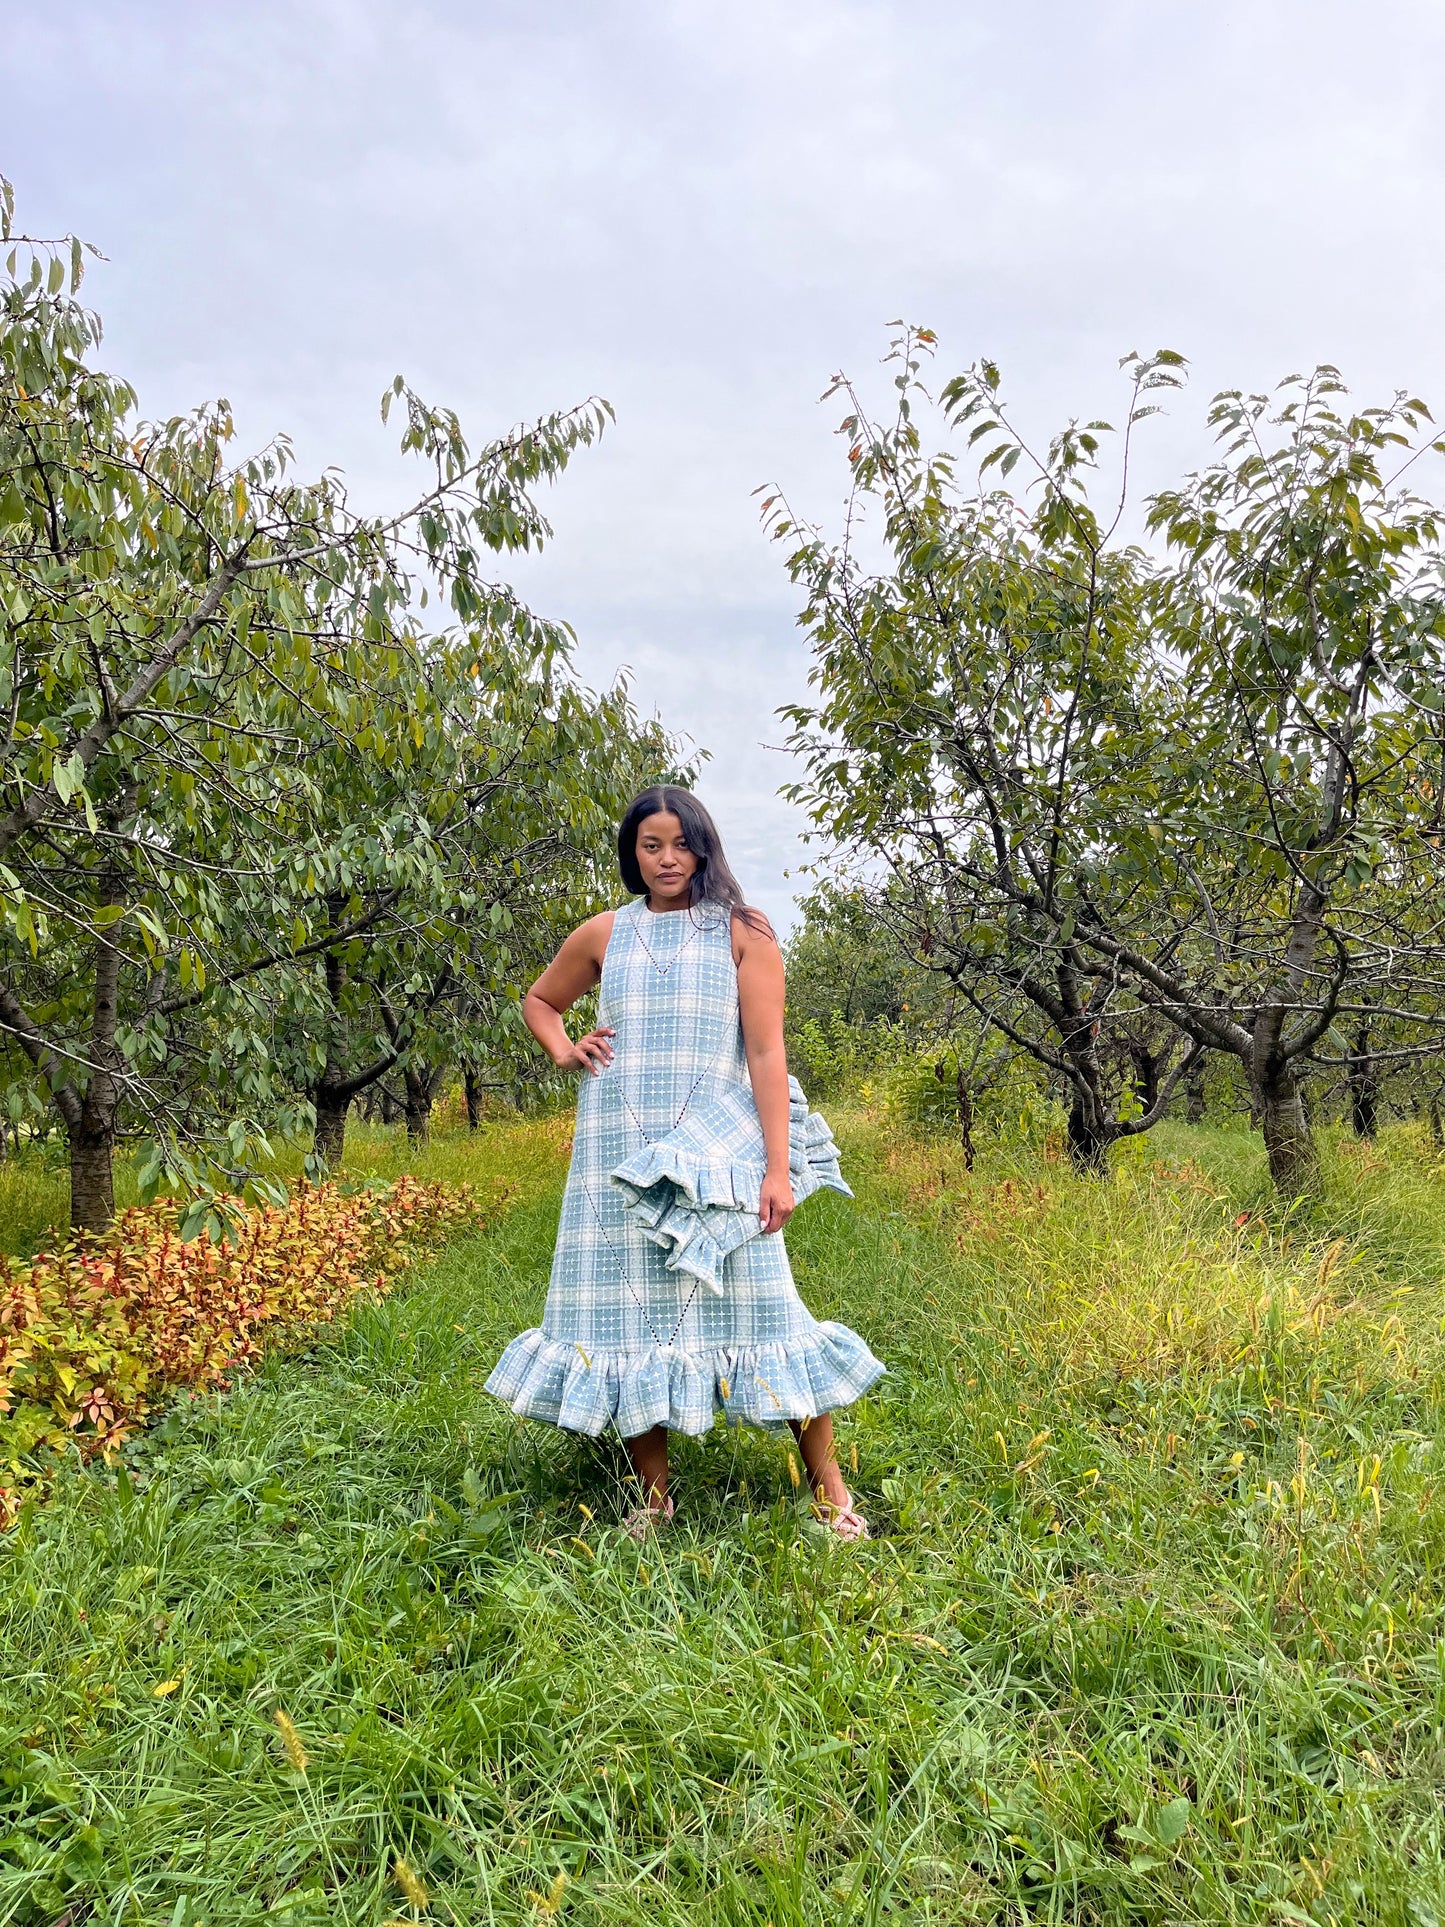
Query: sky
702, 212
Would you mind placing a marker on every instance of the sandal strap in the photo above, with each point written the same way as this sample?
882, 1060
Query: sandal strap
644, 1518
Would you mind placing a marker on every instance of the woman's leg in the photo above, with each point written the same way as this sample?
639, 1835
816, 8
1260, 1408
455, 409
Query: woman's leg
820, 1455
648, 1452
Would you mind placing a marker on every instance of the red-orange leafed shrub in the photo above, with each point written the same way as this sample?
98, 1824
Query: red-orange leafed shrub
94, 1335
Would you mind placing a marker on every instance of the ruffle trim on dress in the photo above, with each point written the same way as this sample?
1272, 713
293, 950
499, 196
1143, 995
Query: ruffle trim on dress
765, 1385
695, 1192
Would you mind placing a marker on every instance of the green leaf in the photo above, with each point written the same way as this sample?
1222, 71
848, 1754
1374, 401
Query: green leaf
1171, 1823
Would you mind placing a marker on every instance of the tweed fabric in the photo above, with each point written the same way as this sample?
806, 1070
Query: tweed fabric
665, 1305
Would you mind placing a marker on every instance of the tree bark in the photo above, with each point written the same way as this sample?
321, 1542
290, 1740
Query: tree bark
965, 1116
1089, 1137
1294, 1162
1196, 1102
1364, 1104
418, 1118
1092, 1127
92, 1177
422, 1086
332, 1099
333, 1093
1363, 1078
92, 1131
1146, 1074
965, 1106
422, 1082
472, 1088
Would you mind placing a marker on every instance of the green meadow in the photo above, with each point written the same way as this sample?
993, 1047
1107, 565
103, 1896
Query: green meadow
1150, 1629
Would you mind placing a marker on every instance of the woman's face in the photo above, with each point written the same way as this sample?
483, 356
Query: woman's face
666, 863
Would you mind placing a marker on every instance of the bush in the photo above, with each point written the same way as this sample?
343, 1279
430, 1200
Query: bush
96, 1333
1012, 1104
829, 1057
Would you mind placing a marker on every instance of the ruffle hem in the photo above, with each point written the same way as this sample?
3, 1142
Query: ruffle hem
765, 1385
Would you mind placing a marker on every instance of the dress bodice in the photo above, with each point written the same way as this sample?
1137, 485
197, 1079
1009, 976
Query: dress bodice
670, 993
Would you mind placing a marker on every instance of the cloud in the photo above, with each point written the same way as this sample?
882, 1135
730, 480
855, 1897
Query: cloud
702, 212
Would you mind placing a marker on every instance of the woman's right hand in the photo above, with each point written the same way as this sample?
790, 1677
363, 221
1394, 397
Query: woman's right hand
591, 1053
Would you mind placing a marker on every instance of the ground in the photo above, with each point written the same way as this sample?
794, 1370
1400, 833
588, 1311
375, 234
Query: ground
1150, 1629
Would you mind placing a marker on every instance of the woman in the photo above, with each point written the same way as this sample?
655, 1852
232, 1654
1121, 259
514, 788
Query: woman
671, 1295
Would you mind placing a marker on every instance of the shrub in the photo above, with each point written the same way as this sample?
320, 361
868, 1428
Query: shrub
827, 1057
1012, 1104
94, 1334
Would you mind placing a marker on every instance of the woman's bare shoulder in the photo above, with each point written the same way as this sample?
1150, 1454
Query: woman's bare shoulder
591, 938
750, 928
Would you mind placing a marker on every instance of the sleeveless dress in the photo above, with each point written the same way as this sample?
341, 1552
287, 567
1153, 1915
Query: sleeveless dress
667, 1305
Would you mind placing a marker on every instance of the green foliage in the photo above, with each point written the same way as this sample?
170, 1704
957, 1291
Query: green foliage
264, 825
1012, 1103
858, 1005
1150, 1629
1110, 794
832, 1057
842, 962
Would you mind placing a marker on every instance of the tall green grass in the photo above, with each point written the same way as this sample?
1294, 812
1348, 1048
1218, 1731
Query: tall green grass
1150, 1630
34, 1198
35, 1187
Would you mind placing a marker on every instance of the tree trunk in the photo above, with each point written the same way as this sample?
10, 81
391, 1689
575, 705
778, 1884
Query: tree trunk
1294, 1161
1363, 1078
92, 1168
1146, 1074
472, 1088
422, 1086
1436, 1123
1089, 1138
965, 1106
1195, 1101
337, 1090
92, 1131
1092, 1128
418, 1119
1276, 1093
965, 1116
1364, 1104
332, 1095
332, 1104
419, 1090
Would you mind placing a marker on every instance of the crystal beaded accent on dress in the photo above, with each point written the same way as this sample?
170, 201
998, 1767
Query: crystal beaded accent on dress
667, 1304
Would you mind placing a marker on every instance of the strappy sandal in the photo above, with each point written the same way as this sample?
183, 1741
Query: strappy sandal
844, 1520
643, 1520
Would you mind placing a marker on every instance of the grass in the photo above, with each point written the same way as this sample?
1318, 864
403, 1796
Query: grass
1151, 1630
35, 1188
35, 1197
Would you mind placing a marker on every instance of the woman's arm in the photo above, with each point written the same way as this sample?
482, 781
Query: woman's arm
760, 1003
574, 970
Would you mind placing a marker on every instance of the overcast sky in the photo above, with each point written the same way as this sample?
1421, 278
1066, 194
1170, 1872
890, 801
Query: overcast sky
701, 211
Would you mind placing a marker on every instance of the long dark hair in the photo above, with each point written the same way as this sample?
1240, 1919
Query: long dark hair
712, 881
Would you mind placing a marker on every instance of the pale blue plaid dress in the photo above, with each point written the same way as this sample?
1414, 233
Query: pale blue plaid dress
666, 1305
